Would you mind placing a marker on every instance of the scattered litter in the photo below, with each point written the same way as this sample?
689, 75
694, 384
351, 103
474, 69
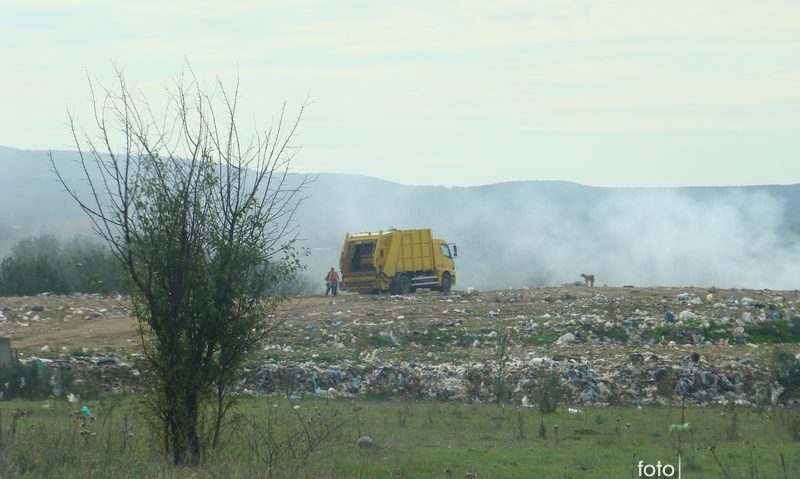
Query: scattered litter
365, 442
618, 347
679, 427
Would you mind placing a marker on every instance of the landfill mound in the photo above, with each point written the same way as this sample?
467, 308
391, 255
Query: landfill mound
609, 346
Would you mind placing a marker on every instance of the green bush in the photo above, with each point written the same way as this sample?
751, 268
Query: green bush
35, 265
45, 263
786, 370
80, 264
547, 391
33, 381
781, 331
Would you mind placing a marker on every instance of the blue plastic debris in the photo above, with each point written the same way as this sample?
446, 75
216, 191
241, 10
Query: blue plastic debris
669, 316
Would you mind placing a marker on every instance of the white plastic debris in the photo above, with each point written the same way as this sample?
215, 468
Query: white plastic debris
565, 339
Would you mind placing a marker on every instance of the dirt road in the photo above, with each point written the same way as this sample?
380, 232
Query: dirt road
66, 323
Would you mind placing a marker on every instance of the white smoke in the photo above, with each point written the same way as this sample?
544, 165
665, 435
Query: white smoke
640, 237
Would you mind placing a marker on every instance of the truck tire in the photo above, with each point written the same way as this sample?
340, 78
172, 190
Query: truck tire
446, 282
401, 284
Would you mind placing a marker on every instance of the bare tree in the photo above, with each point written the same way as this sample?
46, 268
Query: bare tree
202, 222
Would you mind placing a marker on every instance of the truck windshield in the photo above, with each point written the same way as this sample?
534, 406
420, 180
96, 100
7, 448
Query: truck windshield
446, 251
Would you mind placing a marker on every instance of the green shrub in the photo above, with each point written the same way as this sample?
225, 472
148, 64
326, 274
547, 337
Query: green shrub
46, 264
786, 370
773, 332
33, 381
547, 391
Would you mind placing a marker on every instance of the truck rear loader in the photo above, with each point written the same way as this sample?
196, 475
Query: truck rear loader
398, 261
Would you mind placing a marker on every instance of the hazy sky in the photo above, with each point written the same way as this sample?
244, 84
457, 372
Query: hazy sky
632, 93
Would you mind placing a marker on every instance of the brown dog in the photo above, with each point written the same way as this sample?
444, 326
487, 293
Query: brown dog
588, 279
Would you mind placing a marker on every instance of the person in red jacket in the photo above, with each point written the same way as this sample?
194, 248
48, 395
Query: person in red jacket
332, 281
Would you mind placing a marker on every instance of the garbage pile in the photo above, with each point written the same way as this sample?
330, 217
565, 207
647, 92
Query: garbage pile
640, 378
609, 346
98, 373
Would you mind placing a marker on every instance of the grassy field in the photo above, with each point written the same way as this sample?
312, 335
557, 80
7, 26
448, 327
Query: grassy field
315, 438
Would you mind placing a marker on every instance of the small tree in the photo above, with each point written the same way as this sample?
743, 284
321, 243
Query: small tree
549, 391
202, 223
501, 355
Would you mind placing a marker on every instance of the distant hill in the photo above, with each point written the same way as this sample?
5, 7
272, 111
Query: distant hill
526, 233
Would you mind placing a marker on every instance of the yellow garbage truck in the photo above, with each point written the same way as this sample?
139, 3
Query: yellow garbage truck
398, 261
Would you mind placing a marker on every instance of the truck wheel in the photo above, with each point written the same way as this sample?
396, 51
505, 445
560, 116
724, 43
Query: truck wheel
401, 284
446, 283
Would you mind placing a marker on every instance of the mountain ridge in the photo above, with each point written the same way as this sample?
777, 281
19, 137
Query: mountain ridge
517, 233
